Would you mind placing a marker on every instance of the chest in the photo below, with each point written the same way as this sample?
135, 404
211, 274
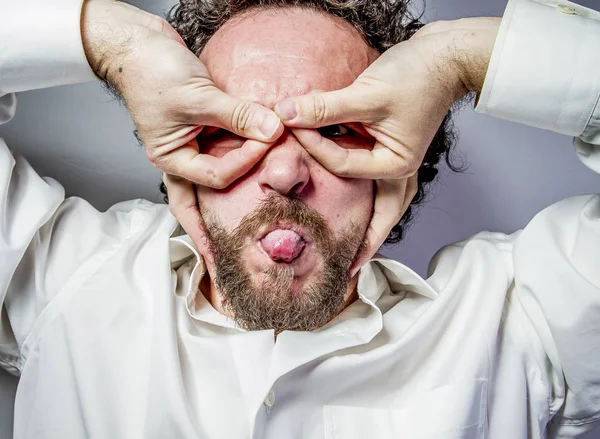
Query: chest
137, 365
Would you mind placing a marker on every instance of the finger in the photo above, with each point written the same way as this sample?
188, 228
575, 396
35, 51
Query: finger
386, 213
214, 172
379, 163
391, 201
183, 204
351, 104
243, 118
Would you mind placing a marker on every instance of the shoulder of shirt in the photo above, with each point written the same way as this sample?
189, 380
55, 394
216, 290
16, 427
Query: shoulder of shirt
498, 240
490, 250
144, 214
495, 246
131, 216
139, 204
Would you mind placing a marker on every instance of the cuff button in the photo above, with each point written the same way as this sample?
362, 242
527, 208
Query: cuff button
566, 10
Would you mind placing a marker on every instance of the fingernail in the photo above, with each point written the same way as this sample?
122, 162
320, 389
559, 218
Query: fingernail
286, 110
269, 125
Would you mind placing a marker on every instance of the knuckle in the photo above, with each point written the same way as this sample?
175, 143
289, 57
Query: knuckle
241, 118
398, 173
412, 167
219, 183
216, 179
153, 157
319, 109
406, 168
342, 169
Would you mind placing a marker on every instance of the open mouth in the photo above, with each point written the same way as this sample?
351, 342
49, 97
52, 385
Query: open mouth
283, 244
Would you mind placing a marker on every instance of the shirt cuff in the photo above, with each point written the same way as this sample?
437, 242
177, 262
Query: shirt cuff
40, 45
544, 67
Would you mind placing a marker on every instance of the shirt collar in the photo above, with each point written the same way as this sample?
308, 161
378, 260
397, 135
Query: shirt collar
402, 278
379, 275
198, 307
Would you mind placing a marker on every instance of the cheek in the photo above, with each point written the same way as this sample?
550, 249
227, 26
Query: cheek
230, 205
342, 201
345, 201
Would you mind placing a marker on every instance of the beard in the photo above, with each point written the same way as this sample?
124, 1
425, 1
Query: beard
267, 300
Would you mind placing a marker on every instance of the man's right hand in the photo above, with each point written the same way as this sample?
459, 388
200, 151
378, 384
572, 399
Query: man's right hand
171, 97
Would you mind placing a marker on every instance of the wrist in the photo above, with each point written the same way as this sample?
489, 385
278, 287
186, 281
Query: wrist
471, 47
110, 31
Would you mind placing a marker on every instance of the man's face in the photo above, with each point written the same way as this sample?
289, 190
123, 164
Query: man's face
283, 237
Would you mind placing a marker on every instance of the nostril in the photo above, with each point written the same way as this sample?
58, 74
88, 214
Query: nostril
298, 187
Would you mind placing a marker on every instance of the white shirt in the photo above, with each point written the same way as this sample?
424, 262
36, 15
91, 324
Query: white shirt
102, 320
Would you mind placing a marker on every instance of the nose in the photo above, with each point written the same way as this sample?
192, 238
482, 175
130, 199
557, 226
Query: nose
284, 170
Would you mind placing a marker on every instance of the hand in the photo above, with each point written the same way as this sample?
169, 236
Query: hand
171, 97
401, 100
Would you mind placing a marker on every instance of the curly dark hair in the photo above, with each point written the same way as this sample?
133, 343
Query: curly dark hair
382, 24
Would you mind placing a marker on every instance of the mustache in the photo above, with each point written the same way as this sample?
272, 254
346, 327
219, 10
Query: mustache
276, 209
266, 301
290, 210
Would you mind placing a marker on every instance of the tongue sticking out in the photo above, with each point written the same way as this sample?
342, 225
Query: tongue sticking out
283, 245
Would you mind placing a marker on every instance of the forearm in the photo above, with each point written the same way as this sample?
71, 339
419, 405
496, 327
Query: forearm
112, 32
464, 50
473, 45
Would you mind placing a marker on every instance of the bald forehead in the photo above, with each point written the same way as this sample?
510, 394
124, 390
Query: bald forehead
266, 55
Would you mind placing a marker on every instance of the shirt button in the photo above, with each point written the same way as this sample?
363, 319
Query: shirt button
270, 399
566, 10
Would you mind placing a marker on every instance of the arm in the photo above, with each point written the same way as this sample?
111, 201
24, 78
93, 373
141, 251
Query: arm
45, 53
403, 97
44, 44
41, 46
36, 260
546, 73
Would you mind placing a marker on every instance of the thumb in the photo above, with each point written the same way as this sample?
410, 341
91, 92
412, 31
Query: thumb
351, 104
243, 118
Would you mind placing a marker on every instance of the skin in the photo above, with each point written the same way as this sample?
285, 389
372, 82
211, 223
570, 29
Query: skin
399, 100
264, 57
171, 97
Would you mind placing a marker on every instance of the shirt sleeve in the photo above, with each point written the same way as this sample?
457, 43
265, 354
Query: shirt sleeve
44, 238
46, 241
40, 45
545, 72
26, 203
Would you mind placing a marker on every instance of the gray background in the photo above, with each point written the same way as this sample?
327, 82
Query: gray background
82, 138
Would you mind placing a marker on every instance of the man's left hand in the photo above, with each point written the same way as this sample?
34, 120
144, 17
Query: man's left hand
401, 100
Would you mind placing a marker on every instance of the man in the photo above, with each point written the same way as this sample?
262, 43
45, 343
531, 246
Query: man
270, 318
